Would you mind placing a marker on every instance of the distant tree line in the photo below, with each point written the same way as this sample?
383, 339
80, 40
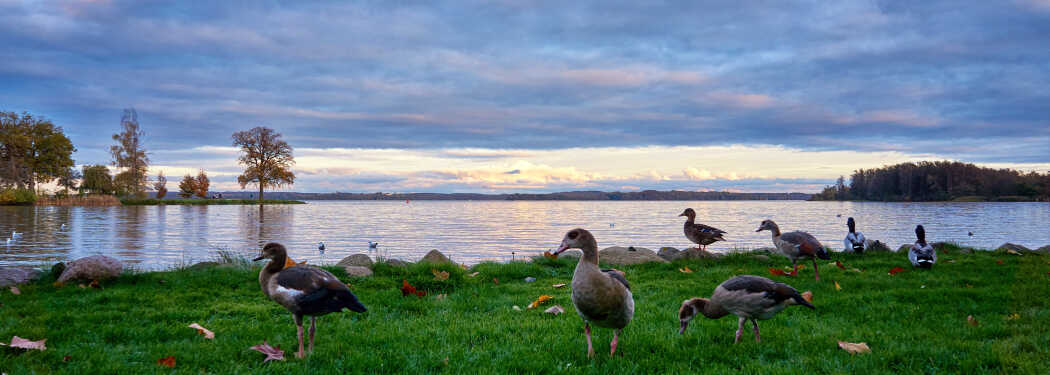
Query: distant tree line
938, 181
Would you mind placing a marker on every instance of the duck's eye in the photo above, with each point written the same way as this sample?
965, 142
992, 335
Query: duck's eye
572, 235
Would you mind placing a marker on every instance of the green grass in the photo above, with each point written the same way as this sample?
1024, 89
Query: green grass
199, 202
915, 322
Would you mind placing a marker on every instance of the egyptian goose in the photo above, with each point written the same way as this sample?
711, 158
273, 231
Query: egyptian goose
700, 234
921, 254
602, 297
748, 297
795, 245
303, 290
854, 240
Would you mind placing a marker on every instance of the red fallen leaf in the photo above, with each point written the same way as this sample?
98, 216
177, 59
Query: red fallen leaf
777, 272
18, 342
67, 358
549, 255
839, 265
272, 353
407, 289
998, 261
793, 273
896, 270
168, 361
495, 281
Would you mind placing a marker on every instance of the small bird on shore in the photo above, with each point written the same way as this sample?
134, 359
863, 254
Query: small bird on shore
700, 234
854, 240
320, 247
795, 245
602, 297
748, 297
373, 245
303, 290
921, 254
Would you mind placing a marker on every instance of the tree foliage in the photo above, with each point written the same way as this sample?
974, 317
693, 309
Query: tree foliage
938, 181
188, 186
32, 150
266, 157
130, 156
202, 184
96, 179
68, 180
161, 185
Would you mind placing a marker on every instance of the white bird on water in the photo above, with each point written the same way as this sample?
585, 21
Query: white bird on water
10, 241
63, 227
16, 234
372, 245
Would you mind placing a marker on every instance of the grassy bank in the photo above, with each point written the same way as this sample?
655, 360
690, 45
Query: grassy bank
915, 322
202, 202
79, 200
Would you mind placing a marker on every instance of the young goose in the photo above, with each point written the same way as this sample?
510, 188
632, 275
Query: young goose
602, 297
303, 290
700, 234
922, 255
795, 245
748, 297
854, 240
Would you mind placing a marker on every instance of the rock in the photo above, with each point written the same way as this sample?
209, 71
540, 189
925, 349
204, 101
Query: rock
361, 260
1015, 247
57, 269
358, 271
875, 245
621, 255
396, 262
667, 253
14, 276
530, 279
694, 253
761, 258
435, 256
97, 267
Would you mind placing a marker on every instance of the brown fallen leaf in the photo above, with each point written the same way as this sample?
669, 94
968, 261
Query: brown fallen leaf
94, 284
837, 287
969, 286
556, 286
15, 290
549, 255
685, 270
473, 274
808, 296
839, 265
555, 310
439, 275
204, 331
67, 358
82, 286
855, 348
777, 272
168, 361
495, 281
950, 261
973, 321
272, 353
998, 261
18, 342
539, 301
57, 284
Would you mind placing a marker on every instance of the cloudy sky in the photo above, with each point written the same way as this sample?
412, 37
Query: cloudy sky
534, 96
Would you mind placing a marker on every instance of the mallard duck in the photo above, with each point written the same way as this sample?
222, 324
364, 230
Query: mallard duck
748, 297
921, 254
854, 240
303, 290
795, 245
602, 297
700, 234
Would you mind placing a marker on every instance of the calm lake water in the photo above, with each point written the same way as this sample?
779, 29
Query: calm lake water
159, 237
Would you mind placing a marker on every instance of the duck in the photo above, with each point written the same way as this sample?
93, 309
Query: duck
795, 245
748, 297
601, 297
303, 290
921, 254
854, 240
700, 234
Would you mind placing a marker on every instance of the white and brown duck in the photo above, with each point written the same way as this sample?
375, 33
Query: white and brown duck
748, 297
921, 254
601, 297
303, 290
795, 245
854, 241
700, 234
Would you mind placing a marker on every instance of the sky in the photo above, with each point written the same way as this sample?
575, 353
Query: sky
538, 96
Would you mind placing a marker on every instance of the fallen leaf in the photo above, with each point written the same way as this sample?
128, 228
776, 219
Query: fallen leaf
685, 270
1012, 252
66, 358
839, 265
18, 342
539, 301
1013, 316
439, 275
549, 255
407, 289
556, 286
855, 348
808, 296
15, 290
777, 272
204, 331
973, 321
555, 310
969, 286
998, 261
446, 361
856, 270
272, 353
516, 308
896, 270
94, 284
57, 284
168, 361
441, 296
837, 287
82, 286
950, 261
473, 274
495, 281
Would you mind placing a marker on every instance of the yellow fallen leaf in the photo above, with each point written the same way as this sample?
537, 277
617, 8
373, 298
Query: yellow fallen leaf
1012, 252
973, 321
439, 275
473, 274
555, 310
685, 270
1014, 316
855, 348
837, 287
808, 296
203, 331
440, 296
539, 301
969, 286
556, 286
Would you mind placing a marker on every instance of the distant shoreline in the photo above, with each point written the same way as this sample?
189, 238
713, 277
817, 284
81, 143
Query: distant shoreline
648, 195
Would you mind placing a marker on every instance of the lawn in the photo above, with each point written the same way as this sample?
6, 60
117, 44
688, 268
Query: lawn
914, 322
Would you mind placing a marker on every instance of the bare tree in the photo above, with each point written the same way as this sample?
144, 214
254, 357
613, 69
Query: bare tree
266, 157
161, 185
129, 154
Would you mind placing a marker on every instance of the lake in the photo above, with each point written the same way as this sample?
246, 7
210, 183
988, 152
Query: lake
161, 237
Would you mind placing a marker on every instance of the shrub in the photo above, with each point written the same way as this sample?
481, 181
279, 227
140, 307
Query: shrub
21, 197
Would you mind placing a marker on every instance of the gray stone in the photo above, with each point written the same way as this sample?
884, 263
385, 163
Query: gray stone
15, 276
875, 245
1015, 247
621, 255
358, 271
694, 253
667, 253
97, 267
761, 258
530, 279
435, 256
361, 260
396, 262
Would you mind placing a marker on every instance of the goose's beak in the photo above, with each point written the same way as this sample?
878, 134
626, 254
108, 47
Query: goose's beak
564, 246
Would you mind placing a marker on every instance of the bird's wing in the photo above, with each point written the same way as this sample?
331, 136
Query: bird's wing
617, 275
806, 243
709, 229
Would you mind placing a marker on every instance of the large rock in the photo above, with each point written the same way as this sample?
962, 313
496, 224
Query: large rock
667, 253
97, 267
694, 253
435, 256
358, 271
875, 245
1015, 247
622, 255
761, 258
15, 276
396, 262
361, 260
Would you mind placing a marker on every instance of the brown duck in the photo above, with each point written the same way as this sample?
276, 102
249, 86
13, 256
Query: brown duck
749, 297
303, 290
795, 245
700, 234
602, 297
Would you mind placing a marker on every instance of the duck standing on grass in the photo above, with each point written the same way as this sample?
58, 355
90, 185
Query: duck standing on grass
700, 234
921, 254
854, 240
748, 297
795, 245
303, 290
602, 297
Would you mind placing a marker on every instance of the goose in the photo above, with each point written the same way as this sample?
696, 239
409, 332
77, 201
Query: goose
602, 297
303, 290
700, 234
795, 245
922, 255
748, 297
854, 240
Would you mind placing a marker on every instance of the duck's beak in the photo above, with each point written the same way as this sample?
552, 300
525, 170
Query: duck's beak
682, 330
